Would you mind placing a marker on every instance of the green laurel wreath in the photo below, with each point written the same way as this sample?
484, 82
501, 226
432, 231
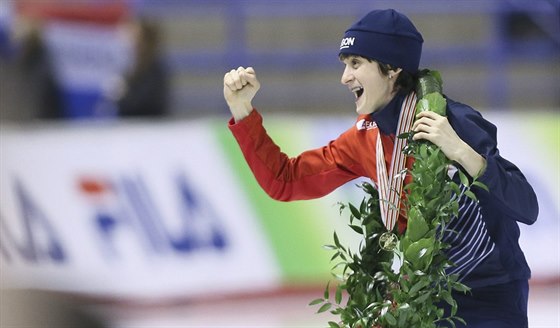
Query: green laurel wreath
404, 287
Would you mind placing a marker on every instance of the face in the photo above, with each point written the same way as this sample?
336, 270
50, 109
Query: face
372, 89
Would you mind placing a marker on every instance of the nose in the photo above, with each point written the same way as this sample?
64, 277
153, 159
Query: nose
347, 75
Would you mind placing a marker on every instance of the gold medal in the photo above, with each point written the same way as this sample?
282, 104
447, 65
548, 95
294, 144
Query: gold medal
388, 241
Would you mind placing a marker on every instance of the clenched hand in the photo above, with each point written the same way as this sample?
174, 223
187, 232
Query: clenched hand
240, 87
436, 128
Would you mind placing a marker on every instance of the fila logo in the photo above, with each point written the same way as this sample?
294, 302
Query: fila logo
347, 42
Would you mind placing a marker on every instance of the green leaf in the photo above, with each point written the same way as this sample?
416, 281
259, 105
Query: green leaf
415, 318
422, 298
480, 185
337, 242
405, 243
330, 247
337, 311
423, 151
404, 135
338, 295
324, 308
369, 189
461, 288
417, 286
417, 226
333, 324
403, 315
422, 105
338, 265
419, 253
326, 293
437, 76
451, 322
316, 301
355, 212
356, 228
360, 323
461, 320
455, 188
447, 297
436, 102
337, 254
405, 286
464, 179
390, 318
363, 206
471, 195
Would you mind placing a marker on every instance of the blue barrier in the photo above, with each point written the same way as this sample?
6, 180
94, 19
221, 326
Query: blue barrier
494, 52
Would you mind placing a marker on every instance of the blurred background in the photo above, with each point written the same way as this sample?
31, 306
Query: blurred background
125, 201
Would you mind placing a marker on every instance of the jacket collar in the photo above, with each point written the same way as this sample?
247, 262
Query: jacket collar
387, 118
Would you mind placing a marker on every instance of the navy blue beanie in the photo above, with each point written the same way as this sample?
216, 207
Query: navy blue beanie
386, 36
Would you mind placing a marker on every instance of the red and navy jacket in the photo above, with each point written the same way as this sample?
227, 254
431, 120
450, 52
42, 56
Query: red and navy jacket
484, 244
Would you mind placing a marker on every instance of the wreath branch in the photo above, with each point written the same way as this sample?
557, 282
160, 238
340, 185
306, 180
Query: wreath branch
408, 286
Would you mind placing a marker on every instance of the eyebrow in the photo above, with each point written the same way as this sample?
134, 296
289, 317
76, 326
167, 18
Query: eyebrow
344, 57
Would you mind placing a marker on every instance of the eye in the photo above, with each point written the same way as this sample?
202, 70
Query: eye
355, 62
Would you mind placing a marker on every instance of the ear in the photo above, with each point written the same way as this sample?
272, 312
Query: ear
394, 73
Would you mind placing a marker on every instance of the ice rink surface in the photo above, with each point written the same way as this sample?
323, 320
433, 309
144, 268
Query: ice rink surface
285, 310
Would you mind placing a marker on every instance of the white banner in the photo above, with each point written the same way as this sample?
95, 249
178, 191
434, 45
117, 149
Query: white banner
89, 61
155, 210
131, 211
88, 55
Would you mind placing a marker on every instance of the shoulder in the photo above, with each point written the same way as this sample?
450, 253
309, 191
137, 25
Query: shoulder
463, 117
470, 124
362, 133
364, 123
458, 110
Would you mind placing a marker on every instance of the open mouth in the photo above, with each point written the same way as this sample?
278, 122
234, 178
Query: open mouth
358, 91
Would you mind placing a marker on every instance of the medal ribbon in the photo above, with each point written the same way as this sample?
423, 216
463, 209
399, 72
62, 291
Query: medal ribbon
390, 185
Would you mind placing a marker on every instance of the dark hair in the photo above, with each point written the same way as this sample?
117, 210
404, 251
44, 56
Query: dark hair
406, 81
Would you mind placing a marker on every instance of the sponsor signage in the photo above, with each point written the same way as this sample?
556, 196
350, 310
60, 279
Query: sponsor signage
143, 210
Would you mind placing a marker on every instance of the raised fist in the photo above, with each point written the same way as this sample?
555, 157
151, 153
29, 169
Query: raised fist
240, 87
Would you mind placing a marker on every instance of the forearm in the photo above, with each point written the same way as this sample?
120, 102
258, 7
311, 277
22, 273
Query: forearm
473, 163
241, 111
312, 174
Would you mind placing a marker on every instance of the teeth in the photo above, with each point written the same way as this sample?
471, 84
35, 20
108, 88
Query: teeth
357, 91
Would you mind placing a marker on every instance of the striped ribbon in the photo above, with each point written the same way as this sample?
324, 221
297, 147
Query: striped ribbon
390, 185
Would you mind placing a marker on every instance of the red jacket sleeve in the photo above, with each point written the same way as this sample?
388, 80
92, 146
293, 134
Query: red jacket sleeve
311, 174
